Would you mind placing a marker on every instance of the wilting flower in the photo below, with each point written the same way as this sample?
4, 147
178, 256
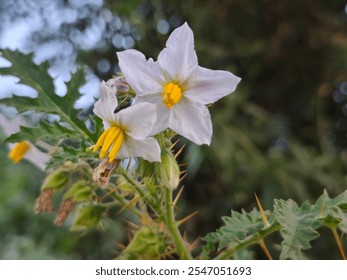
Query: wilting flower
177, 85
126, 133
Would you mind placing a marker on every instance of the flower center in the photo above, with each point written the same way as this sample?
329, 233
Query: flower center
171, 95
111, 140
18, 151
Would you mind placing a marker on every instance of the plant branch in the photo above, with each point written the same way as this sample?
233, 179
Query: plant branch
254, 238
181, 246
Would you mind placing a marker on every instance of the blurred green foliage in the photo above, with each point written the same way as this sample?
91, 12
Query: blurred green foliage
281, 134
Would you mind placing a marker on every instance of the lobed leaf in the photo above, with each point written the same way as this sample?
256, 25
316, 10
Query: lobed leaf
298, 227
36, 76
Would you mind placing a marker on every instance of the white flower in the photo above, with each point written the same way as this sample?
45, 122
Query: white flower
22, 149
178, 86
126, 133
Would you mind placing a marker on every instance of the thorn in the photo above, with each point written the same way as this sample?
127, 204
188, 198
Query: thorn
177, 196
194, 244
174, 144
121, 246
179, 151
184, 176
183, 164
180, 222
266, 222
130, 203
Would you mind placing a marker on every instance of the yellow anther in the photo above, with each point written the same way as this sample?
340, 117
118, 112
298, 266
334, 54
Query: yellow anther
110, 140
18, 151
171, 95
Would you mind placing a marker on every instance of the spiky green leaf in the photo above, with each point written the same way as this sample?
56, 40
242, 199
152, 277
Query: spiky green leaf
44, 130
237, 228
36, 76
298, 227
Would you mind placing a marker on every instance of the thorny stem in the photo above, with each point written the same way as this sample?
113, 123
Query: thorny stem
254, 238
181, 248
338, 242
141, 192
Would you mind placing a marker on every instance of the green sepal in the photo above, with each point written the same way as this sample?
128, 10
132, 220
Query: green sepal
88, 216
148, 243
79, 192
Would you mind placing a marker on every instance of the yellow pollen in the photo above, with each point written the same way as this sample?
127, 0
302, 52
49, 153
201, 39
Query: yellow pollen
111, 140
18, 151
171, 95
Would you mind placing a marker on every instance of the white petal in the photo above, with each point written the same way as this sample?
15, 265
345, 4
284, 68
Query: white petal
163, 115
36, 157
207, 86
143, 76
104, 107
178, 59
138, 120
148, 149
191, 120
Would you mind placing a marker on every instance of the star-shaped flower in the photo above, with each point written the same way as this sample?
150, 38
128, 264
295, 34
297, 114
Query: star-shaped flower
126, 133
178, 86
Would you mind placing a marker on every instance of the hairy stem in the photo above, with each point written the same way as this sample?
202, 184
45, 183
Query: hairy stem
254, 238
181, 246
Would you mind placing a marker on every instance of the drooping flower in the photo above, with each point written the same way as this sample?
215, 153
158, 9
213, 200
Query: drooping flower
126, 133
178, 86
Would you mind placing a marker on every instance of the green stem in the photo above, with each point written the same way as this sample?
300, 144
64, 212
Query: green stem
149, 200
181, 248
254, 238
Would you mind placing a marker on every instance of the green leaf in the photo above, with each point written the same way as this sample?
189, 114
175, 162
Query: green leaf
237, 228
36, 76
68, 153
298, 227
330, 210
54, 132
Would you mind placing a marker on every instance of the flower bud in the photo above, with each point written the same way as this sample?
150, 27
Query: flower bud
116, 85
169, 171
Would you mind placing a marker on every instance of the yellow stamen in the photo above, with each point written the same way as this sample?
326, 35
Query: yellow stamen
112, 138
117, 144
172, 94
18, 151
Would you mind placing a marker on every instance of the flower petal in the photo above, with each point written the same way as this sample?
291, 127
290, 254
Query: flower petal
143, 76
138, 120
148, 149
179, 57
163, 115
191, 120
207, 86
104, 107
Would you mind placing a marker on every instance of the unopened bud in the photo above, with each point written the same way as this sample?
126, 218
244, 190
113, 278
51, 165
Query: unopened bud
169, 171
103, 172
116, 85
119, 83
44, 201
